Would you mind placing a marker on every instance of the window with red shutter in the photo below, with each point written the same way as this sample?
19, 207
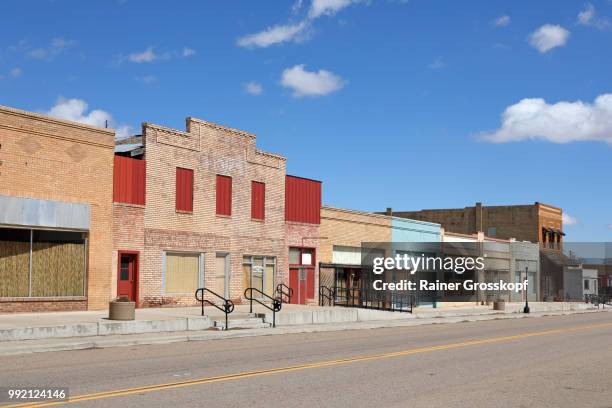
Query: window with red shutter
258, 200
224, 195
184, 189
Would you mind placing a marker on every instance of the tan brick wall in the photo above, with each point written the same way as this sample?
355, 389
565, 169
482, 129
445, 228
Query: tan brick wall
208, 149
350, 228
523, 222
51, 159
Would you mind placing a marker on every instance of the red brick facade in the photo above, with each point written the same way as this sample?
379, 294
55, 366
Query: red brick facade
156, 229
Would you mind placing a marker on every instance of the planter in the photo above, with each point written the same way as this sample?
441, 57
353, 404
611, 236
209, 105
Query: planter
499, 305
121, 310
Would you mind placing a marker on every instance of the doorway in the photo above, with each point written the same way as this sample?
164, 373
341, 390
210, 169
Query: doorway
221, 274
127, 275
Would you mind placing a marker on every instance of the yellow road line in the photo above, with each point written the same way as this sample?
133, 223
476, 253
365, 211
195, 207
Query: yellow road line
328, 363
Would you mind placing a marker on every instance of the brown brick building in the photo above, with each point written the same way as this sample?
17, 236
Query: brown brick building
536, 222
214, 213
55, 213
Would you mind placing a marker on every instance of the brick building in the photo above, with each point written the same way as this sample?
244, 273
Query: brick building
55, 213
206, 207
536, 222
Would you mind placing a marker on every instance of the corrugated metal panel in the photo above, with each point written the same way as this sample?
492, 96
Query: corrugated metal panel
44, 213
184, 189
302, 200
258, 200
224, 195
129, 180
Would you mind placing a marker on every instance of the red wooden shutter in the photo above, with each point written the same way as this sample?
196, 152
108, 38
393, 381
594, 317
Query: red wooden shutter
258, 200
184, 189
224, 195
129, 180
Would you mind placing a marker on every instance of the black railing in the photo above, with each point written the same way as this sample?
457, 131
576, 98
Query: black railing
276, 303
326, 294
227, 307
597, 300
284, 290
373, 299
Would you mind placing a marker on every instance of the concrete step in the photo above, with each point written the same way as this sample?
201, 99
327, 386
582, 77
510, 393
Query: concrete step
244, 323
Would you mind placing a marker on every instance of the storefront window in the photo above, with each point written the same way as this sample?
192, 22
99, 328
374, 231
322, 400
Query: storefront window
41, 263
259, 273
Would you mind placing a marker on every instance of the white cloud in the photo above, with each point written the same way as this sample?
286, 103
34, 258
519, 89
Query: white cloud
276, 35
253, 88
188, 52
310, 83
295, 31
561, 122
327, 7
15, 72
501, 21
610, 226
588, 17
148, 55
549, 36
297, 6
55, 47
569, 220
77, 110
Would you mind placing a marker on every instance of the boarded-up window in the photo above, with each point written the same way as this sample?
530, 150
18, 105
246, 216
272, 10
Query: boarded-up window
58, 263
258, 200
224, 195
182, 273
184, 189
129, 180
14, 262
220, 274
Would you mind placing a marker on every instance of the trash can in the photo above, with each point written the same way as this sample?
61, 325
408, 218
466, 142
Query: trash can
121, 309
499, 304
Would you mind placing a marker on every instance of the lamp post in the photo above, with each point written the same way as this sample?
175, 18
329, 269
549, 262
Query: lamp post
526, 308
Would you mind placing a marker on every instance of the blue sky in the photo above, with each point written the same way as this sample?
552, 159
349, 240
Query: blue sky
390, 103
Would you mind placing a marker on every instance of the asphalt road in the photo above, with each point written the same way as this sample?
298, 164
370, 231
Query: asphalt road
563, 361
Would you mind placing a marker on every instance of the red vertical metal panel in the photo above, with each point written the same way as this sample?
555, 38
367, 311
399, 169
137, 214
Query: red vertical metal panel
258, 200
224, 195
129, 184
184, 189
302, 200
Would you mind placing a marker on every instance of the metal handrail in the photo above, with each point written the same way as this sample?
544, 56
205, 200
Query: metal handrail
281, 292
227, 307
329, 296
370, 299
276, 303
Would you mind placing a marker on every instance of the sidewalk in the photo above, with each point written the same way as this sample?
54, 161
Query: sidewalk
28, 333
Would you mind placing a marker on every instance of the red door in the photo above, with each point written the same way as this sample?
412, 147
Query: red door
127, 275
298, 290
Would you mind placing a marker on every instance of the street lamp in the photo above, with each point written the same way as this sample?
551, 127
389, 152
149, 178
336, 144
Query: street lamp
526, 308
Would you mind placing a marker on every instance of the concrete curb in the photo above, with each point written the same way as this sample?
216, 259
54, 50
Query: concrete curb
58, 344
